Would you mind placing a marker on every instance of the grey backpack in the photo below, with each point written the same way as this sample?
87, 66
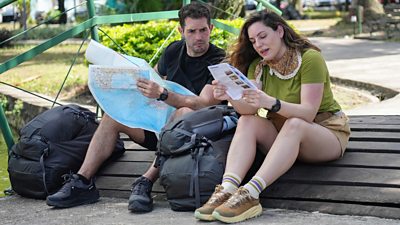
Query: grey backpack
191, 155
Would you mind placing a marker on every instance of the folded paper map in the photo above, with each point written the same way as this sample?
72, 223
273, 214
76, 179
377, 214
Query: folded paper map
112, 82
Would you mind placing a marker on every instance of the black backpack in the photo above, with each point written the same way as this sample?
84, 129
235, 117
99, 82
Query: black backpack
192, 153
52, 144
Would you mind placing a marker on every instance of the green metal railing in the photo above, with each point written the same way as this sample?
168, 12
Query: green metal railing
6, 2
91, 24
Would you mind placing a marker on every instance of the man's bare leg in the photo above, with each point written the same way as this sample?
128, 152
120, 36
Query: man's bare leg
77, 190
103, 144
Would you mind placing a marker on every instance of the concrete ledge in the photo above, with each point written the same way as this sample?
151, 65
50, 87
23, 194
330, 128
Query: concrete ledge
32, 105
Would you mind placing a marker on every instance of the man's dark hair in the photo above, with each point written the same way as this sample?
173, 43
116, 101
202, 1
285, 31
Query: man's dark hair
194, 10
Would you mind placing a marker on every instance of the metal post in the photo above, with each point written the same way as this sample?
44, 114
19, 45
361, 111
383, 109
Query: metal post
92, 13
264, 3
360, 11
24, 17
5, 128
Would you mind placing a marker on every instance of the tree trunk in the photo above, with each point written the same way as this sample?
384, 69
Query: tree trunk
63, 17
373, 9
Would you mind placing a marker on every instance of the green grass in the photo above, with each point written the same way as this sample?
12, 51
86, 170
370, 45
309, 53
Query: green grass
4, 181
45, 73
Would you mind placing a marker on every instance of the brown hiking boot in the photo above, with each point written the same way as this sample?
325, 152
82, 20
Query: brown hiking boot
240, 206
216, 199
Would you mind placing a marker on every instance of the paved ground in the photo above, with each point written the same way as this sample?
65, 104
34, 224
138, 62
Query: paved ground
16, 210
369, 62
372, 62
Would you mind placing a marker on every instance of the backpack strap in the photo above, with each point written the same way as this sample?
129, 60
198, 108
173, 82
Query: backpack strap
41, 161
194, 180
188, 145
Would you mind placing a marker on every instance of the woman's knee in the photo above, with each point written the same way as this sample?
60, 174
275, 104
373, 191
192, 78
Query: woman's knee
249, 124
294, 125
246, 121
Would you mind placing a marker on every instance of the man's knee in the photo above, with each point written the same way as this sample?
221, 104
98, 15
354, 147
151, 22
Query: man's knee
181, 111
110, 124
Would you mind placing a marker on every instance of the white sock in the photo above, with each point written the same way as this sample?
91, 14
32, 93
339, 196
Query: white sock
255, 186
230, 182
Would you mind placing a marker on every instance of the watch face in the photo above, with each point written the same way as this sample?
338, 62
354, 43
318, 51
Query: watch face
163, 95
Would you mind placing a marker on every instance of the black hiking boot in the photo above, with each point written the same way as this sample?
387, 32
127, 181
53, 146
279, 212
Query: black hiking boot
140, 200
74, 192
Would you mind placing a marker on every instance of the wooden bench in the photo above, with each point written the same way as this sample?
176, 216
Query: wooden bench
388, 22
366, 181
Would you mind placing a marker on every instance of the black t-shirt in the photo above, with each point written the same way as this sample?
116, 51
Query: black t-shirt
190, 72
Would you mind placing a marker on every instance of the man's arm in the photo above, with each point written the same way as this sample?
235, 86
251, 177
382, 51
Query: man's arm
151, 89
206, 98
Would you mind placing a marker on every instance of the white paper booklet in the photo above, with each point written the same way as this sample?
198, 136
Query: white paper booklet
232, 78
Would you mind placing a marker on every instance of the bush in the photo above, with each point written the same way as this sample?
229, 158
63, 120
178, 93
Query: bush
4, 35
43, 32
143, 40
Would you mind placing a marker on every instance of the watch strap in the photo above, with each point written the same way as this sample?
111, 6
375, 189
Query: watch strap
276, 107
163, 95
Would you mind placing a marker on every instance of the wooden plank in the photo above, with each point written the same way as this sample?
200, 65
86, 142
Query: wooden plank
121, 183
157, 197
334, 208
375, 127
369, 160
375, 136
364, 146
125, 169
318, 174
138, 156
128, 144
390, 119
325, 193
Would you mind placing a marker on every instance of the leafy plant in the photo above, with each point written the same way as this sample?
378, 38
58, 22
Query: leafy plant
43, 32
144, 40
4, 35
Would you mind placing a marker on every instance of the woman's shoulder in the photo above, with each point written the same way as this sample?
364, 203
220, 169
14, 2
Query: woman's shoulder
255, 61
252, 67
310, 52
312, 55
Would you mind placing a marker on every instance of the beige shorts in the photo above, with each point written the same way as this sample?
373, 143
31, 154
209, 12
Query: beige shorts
337, 123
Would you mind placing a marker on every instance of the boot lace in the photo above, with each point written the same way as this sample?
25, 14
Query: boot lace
240, 196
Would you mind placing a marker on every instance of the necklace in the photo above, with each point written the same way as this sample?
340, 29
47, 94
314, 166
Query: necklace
288, 66
285, 68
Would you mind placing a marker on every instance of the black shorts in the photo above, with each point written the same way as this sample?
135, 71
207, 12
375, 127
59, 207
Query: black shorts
150, 140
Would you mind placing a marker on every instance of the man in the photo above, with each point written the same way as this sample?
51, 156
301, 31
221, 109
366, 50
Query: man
184, 62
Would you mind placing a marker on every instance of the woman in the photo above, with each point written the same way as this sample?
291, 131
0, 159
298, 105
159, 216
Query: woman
304, 121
